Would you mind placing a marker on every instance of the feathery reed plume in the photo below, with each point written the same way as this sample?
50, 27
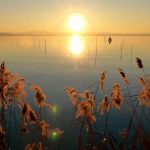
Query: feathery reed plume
45, 130
144, 94
28, 114
116, 96
33, 116
141, 81
72, 93
123, 76
102, 79
85, 107
144, 80
83, 103
104, 105
139, 63
12, 96
85, 110
12, 84
18, 91
39, 96
25, 109
89, 97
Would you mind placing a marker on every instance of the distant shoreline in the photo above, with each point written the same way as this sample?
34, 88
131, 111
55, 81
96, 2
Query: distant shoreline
81, 34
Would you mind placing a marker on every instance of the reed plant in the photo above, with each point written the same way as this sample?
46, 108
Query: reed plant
87, 107
18, 118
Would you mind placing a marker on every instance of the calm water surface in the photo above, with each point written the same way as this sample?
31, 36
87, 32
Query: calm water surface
57, 62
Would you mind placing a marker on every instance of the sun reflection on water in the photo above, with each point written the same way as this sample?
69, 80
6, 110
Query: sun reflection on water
76, 45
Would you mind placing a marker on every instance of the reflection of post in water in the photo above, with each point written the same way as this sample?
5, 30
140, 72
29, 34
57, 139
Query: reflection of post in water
105, 40
100, 50
45, 48
96, 51
58, 47
131, 53
39, 45
88, 51
121, 50
34, 44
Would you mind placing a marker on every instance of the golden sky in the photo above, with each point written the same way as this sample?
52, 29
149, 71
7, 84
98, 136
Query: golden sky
117, 16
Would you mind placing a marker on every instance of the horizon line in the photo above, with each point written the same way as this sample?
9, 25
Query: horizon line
70, 34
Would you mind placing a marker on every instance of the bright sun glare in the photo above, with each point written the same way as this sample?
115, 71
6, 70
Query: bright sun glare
76, 23
76, 45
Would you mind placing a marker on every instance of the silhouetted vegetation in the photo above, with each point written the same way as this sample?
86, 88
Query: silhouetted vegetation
134, 136
17, 117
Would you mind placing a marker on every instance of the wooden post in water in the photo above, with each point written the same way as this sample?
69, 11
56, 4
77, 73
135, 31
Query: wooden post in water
34, 45
121, 48
39, 45
96, 51
58, 45
121, 52
45, 48
105, 40
88, 50
131, 53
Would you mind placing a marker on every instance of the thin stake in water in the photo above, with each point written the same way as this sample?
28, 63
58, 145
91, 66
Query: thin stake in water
96, 51
45, 48
131, 53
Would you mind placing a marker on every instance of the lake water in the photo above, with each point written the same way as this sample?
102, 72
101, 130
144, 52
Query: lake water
56, 62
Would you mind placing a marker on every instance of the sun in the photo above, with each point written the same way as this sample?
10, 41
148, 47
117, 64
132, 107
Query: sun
76, 23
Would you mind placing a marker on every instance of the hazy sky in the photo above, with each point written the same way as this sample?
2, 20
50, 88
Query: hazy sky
126, 16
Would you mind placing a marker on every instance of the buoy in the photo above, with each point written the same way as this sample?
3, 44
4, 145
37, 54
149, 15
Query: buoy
109, 40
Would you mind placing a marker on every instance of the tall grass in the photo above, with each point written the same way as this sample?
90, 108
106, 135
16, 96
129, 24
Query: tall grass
28, 124
135, 135
17, 117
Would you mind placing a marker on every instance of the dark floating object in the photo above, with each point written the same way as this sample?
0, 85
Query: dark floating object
109, 40
139, 62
